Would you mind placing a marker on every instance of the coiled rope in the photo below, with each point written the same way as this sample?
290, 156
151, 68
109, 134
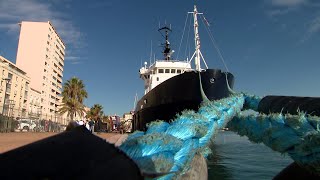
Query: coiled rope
168, 148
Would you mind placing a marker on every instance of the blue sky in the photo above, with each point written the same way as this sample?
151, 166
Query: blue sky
271, 46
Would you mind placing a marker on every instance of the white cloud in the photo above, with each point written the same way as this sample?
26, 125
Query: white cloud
288, 3
73, 59
313, 27
284, 7
14, 11
277, 12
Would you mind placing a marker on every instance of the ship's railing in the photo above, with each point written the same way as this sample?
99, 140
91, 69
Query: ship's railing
152, 64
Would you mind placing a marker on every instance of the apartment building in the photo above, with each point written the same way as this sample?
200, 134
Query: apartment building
41, 54
14, 89
34, 108
127, 121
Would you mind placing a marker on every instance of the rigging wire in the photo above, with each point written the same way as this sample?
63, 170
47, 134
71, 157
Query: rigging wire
213, 41
185, 23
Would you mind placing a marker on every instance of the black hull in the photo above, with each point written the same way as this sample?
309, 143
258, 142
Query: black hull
179, 93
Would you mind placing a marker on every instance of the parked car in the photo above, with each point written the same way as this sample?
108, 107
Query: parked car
26, 124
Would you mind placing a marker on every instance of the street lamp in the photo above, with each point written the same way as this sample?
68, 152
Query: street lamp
5, 93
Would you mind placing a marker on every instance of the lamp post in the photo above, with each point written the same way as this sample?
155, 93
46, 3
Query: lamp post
5, 93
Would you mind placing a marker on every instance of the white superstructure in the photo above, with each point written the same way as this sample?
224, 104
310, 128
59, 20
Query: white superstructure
161, 70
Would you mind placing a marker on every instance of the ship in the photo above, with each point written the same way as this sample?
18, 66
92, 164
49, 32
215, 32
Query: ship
171, 85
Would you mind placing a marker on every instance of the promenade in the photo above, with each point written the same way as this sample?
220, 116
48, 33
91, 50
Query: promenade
9, 141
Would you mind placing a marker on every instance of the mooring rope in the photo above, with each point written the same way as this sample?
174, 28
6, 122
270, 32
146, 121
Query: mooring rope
168, 148
296, 135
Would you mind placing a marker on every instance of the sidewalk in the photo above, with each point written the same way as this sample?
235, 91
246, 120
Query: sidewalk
9, 141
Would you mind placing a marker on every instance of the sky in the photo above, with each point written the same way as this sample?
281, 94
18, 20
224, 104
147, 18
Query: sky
270, 46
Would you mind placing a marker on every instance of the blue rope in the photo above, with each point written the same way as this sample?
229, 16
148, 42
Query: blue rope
296, 135
168, 148
251, 101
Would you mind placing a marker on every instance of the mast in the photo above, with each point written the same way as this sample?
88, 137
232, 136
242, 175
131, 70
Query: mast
197, 52
167, 50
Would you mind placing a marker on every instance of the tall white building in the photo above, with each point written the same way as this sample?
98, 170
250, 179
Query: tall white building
41, 53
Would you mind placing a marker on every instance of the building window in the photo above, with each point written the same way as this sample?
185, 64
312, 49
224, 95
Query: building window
160, 71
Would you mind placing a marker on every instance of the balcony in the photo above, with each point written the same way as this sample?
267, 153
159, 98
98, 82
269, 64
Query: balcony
8, 90
61, 63
59, 75
58, 81
58, 93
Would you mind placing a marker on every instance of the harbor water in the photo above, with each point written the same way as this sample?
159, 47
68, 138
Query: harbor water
235, 157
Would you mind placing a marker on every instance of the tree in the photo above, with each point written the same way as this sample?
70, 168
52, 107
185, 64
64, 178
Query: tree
106, 119
73, 95
74, 88
95, 112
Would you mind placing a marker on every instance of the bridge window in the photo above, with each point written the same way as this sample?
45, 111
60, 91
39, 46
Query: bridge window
160, 71
179, 71
167, 71
173, 70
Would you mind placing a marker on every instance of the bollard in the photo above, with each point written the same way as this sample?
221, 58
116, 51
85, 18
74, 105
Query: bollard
290, 104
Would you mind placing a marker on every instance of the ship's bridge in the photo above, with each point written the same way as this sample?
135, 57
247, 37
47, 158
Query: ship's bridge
160, 71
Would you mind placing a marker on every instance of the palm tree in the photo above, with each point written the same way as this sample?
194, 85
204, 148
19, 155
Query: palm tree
74, 88
73, 95
95, 112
